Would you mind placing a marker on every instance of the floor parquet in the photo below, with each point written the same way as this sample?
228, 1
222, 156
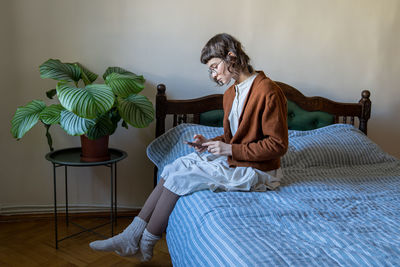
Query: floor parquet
31, 243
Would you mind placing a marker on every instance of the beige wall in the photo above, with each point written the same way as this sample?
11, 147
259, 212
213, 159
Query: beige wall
328, 48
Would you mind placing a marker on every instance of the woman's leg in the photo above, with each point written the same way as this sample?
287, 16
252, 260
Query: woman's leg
159, 219
126, 243
150, 204
158, 223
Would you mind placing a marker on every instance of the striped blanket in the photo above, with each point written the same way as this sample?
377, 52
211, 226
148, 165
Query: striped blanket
338, 205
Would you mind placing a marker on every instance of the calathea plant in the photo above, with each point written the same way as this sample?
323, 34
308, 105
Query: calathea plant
85, 107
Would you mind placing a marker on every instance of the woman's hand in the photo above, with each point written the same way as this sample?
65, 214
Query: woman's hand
219, 148
200, 139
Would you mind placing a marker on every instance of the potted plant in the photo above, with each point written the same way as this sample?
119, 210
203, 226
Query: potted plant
87, 109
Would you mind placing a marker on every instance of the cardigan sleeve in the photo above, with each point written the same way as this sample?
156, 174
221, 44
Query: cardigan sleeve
274, 128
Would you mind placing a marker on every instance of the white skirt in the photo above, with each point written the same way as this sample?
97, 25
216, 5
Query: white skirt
192, 173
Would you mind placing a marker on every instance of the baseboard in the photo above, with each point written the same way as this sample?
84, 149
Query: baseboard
37, 212
73, 208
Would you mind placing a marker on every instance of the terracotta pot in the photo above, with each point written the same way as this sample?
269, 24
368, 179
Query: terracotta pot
94, 150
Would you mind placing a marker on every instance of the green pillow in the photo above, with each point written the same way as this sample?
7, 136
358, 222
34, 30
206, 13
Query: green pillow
298, 118
212, 118
302, 120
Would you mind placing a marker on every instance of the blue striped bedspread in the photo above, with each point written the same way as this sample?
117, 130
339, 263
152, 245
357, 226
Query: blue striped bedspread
338, 205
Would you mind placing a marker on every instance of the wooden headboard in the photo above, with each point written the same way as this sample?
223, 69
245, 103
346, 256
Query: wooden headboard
341, 112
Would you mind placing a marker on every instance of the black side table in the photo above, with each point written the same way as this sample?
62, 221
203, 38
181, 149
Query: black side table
71, 157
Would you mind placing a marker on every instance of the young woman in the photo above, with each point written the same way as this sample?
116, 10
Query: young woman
246, 157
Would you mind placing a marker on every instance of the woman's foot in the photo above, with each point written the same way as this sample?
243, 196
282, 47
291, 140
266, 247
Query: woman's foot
147, 244
124, 244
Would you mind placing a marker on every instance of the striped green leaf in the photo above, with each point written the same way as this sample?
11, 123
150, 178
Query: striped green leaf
87, 76
51, 114
119, 70
73, 124
136, 110
104, 126
124, 85
26, 117
89, 102
55, 69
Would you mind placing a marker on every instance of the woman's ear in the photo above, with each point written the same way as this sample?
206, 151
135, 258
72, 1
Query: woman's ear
230, 53
231, 57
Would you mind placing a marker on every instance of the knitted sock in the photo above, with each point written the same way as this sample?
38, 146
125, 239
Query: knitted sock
124, 244
147, 244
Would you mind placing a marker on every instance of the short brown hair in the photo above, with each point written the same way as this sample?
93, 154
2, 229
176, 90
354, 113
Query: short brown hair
219, 46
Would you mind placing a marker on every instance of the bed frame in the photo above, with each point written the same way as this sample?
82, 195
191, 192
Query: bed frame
184, 111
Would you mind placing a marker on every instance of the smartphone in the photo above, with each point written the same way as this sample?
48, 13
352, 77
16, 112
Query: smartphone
194, 144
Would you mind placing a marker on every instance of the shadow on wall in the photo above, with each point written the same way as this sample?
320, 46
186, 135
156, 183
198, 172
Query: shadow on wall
381, 134
384, 128
387, 77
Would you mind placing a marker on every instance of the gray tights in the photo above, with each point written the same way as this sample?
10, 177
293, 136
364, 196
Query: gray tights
157, 208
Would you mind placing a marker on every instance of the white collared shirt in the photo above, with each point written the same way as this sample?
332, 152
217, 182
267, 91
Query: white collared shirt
242, 89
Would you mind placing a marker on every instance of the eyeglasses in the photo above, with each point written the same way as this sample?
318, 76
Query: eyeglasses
213, 70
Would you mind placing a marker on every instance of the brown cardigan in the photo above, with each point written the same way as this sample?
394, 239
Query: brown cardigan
262, 135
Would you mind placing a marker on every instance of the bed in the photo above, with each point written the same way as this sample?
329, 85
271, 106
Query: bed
338, 203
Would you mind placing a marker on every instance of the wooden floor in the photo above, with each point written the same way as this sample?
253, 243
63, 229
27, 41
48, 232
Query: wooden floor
31, 243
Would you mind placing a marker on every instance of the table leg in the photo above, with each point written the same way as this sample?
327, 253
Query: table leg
66, 196
112, 200
115, 194
55, 205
